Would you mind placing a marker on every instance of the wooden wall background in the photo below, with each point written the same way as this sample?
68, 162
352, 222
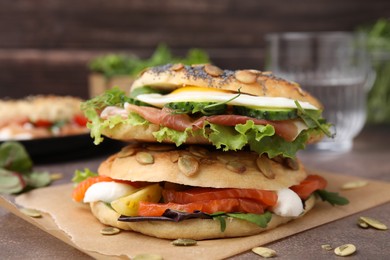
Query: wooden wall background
46, 44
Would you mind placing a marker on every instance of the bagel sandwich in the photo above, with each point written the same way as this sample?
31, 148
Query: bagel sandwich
197, 192
41, 116
203, 104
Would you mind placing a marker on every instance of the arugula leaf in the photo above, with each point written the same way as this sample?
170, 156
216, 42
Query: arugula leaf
80, 176
261, 220
332, 197
222, 222
312, 119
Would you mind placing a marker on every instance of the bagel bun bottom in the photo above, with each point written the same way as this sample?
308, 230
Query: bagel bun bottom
198, 229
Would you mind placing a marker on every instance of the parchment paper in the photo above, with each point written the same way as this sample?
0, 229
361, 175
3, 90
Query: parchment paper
75, 225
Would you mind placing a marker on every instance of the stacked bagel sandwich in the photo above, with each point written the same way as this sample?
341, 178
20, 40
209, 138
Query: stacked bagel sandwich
211, 153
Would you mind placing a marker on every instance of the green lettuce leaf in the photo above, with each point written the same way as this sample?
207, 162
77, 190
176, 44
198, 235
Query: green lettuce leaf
261, 139
175, 136
80, 176
98, 125
275, 145
225, 137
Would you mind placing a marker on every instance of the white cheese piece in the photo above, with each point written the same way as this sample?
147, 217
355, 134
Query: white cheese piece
300, 127
289, 204
159, 100
107, 191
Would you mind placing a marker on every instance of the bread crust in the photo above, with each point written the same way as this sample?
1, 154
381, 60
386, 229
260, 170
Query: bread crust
213, 168
253, 82
198, 229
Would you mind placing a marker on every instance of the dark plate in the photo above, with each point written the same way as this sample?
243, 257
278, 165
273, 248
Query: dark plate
67, 147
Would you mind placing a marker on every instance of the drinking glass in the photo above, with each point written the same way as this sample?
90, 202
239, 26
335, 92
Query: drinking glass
332, 66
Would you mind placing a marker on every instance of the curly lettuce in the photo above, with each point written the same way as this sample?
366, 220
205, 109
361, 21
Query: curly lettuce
259, 138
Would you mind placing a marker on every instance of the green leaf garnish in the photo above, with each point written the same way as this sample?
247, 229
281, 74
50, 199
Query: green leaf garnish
261, 220
80, 176
11, 182
222, 222
14, 157
37, 179
16, 174
332, 197
312, 119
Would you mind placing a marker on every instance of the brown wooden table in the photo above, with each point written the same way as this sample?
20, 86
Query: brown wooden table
370, 158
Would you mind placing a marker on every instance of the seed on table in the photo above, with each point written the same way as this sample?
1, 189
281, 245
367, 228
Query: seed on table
31, 212
147, 257
345, 250
354, 185
373, 223
264, 252
56, 176
326, 247
362, 224
110, 231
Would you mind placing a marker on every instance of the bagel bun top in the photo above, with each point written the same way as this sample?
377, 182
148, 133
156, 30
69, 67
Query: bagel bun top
253, 82
201, 166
